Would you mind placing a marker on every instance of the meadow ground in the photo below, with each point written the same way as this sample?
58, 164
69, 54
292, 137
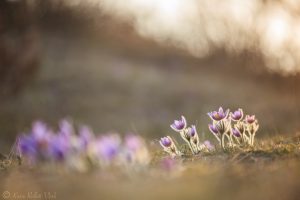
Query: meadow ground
270, 170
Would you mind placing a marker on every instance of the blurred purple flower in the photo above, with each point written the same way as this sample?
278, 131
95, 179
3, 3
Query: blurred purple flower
66, 128
250, 119
59, 148
27, 146
41, 134
168, 164
237, 115
109, 146
133, 142
209, 145
179, 125
86, 135
236, 132
165, 141
39, 130
218, 115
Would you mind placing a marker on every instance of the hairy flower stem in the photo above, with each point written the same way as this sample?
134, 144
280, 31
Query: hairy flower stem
217, 137
229, 139
191, 147
185, 138
223, 141
252, 139
237, 139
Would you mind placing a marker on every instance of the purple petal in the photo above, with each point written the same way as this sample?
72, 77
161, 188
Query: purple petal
133, 142
166, 142
213, 128
86, 135
66, 128
192, 131
209, 145
236, 132
108, 146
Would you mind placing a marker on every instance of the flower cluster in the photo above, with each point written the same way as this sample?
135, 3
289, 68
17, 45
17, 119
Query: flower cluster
82, 150
233, 127
189, 135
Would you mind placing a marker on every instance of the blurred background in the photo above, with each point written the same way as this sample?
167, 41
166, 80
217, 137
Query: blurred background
136, 65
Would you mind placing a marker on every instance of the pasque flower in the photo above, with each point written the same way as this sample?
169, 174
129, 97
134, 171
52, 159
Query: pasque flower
134, 151
188, 134
191, 132
79, 151
251, 127
108, 147
27, 146
193, 138
169, 146
250, 119
218, 115
209, 145
179, 125
214, 130
237, 115
59, 148
233, 127
240, 126
236, 132
223, 128
35, 145
86, 136
66, 128
166, 142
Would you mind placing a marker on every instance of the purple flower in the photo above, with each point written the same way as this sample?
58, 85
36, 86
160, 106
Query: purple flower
109, 146
192, 131
236, 132
179, 125
166, 141
168, 164
209, 145
66, 128
59, 148
250, 119
213, 128
39, 130
218, 115
41, 134
27, 146
86, 135
237, 115
133, 142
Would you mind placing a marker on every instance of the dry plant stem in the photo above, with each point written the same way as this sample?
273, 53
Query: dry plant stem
217, 137
223, 141
183, 136
237, 139
252, 139
195, 148
229, 139
247, 138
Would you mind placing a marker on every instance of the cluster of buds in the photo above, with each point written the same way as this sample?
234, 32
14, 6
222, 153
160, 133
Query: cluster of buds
83, 150
189, 135
233, 127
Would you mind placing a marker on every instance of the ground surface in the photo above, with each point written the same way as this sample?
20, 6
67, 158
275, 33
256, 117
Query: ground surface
268, 171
